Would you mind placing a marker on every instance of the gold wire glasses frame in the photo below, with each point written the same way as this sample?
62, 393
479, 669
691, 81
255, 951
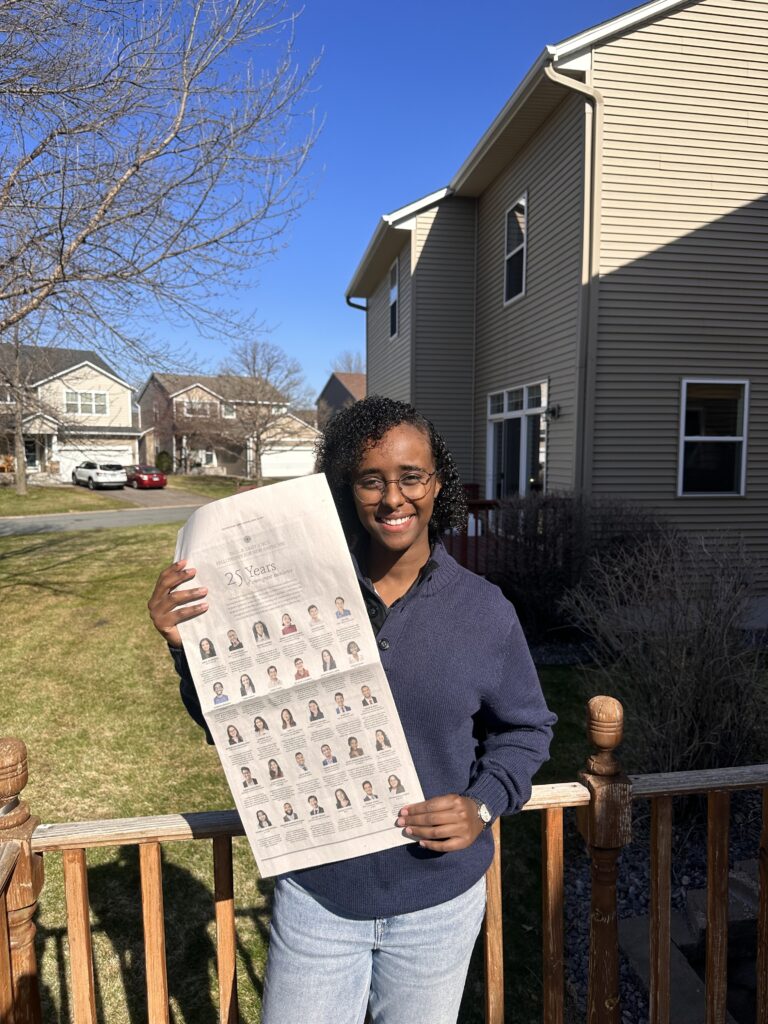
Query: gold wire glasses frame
413, 485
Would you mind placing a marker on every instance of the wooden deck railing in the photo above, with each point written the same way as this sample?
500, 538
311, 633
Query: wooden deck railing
602, 797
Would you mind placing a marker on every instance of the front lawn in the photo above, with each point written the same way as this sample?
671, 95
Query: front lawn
50, 500
94, 696
211, 486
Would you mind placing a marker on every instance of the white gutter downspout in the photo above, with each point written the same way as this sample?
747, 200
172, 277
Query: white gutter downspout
590, 271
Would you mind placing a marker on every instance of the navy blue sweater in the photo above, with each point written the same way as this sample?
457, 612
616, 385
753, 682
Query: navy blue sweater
476, 723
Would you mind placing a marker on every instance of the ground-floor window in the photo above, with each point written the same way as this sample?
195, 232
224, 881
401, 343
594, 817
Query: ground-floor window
517, 441
713, 437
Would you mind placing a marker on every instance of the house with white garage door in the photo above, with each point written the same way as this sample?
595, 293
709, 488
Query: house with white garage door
74, 408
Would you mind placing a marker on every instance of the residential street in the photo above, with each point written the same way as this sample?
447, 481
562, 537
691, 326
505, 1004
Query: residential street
20, 525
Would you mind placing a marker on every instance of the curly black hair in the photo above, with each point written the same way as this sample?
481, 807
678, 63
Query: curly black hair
355, 429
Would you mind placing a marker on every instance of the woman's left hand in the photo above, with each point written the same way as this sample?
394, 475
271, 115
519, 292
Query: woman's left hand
444, 823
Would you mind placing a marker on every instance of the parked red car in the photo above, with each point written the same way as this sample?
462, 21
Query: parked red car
145, 476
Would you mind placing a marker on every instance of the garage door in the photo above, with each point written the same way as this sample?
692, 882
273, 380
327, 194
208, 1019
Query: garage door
69, 456
280, 465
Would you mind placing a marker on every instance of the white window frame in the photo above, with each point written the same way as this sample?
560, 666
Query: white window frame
228, 411
525, 414
520, 201
94, 396
394, 267
683, 437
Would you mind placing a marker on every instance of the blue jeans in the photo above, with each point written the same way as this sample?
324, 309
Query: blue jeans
326, 968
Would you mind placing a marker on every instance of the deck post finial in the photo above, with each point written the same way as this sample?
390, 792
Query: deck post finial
606, 825
16, 823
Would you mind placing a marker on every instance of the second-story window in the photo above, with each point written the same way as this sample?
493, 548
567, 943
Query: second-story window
227, 411
91, 402
394, 289
515, 249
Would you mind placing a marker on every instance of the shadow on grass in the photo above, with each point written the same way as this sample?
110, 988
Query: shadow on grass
189, 942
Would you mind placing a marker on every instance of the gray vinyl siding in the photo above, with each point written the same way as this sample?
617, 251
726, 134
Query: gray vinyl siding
443, 306
389, 359
684, 250
534, 338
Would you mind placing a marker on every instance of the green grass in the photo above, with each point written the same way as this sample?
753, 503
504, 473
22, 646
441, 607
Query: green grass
210, 486
49, 500
94, 696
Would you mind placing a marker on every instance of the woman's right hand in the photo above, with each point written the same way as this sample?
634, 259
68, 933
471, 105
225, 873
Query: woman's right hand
169, 606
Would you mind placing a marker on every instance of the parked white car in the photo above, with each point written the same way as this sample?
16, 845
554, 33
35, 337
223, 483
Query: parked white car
99, 474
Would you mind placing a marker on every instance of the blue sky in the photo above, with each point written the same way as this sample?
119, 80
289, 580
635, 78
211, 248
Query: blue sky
405, 90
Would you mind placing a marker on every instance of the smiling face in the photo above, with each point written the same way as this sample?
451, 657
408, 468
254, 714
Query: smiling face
299, 757
285, 714
367, 788
313, 707
205, 646
395, 522
232, 635
339, 698
218, 689
286, 620
325, 750
299, 664
272, 672
366, 691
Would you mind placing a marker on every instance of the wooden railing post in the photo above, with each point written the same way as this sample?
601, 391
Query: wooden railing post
606, 824
26, 883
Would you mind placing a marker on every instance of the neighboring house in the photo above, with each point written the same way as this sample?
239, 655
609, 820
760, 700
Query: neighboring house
224, 424
341, 389
75, 408
585, 306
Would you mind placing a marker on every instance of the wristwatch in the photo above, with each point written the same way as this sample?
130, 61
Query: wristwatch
483, 813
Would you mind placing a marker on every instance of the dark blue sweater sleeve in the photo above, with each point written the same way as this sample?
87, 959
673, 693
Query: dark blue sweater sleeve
518, 730
187, 689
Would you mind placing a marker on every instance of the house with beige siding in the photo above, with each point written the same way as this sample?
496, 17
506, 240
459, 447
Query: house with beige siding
224, 425
74, 408
585, 305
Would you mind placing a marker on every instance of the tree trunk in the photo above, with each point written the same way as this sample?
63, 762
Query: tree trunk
18, 418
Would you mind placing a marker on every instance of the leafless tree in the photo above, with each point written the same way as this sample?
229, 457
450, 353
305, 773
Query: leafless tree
265, 387
150, 157
348, 362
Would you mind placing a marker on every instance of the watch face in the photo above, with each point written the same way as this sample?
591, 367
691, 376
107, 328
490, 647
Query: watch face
485, 814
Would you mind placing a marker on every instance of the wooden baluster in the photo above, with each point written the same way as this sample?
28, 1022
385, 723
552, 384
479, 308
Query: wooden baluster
154, 932
606, 824
6, 978
762, 921
493, 940
718, 809
661, 895
79, 933
26, 882
552, 914
226, 935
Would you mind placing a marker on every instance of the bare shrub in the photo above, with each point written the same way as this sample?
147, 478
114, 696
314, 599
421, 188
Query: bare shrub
666, 621
542, 544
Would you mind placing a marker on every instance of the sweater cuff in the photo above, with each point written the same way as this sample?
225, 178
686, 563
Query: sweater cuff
489, 791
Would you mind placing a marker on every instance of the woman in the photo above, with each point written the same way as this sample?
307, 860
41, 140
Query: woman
288, 625
260, 632
275, 771
246, 685
233, 736
355, 750
328, 662
342, 800
355, 657
315, 714
264, 821
382, 740
207, 650
287, 718
397, 490
395, 785
260, 725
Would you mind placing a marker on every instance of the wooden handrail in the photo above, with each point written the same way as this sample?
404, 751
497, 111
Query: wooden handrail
753, 776
165, 828
9, 854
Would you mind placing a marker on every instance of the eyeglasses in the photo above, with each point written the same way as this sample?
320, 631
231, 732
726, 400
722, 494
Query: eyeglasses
412, 485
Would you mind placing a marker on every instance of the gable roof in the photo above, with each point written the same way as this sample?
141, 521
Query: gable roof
226, 387
41, 362
530, 104
355, 383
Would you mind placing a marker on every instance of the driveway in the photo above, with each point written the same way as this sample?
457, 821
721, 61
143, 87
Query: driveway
166, 497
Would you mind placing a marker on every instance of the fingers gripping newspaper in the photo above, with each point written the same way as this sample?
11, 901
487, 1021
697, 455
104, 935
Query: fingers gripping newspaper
287, 670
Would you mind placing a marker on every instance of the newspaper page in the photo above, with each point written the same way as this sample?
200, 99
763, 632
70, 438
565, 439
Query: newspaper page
287, 670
